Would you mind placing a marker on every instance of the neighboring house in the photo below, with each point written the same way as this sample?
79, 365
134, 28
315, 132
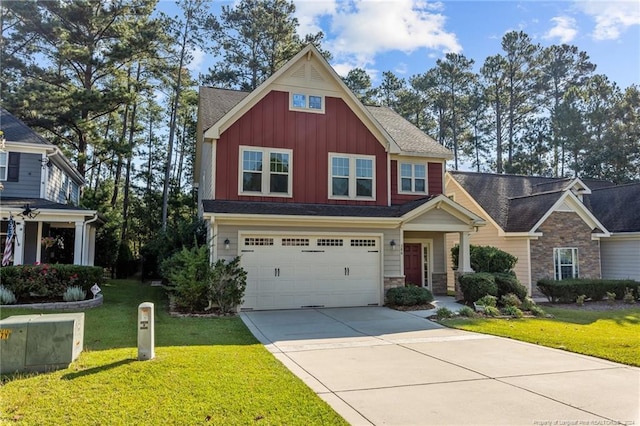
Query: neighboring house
41, 191
556, 227
327, 202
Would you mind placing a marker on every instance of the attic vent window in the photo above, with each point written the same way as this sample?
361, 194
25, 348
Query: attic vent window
307, 102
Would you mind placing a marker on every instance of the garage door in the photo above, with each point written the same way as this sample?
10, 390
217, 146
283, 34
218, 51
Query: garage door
291, 272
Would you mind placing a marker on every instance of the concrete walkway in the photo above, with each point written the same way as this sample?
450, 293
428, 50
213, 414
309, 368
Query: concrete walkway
383, 367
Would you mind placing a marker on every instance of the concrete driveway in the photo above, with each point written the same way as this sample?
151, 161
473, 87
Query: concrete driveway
384, 367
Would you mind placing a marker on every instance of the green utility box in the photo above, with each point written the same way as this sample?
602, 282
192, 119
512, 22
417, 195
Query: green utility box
40, 342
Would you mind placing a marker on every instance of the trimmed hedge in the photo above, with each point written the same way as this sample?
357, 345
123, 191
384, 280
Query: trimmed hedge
486, 259
478, 285
508, 283
48, 280
409, 296
567, 291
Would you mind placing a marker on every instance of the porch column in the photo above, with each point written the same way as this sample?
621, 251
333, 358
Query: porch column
91, 246
77, 243
39, 244
18, 244
464, 257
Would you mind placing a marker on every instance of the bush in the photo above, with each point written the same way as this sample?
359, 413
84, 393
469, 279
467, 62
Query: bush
6, 296
227, 283
491, 311
187, 273
510, 300
508, 283
466, 311
487, 300
567, 291
477, 285
580, 300
628, 296
74, 294
528, 303
48, 280
409, 296
443, 313
486, 259
537, 311
512, 311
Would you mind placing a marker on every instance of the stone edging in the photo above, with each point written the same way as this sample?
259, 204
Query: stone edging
65, 306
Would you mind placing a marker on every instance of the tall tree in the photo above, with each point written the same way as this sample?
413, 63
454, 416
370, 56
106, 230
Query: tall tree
359, 81
495, 82
255, 38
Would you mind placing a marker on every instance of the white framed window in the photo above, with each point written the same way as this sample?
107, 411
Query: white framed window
412, 178
265, 172
565, 262
351, 176
3, 165
306, 102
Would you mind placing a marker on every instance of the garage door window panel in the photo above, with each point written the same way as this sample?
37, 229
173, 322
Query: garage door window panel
273, 180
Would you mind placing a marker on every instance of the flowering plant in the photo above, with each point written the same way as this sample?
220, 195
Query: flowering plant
49, 242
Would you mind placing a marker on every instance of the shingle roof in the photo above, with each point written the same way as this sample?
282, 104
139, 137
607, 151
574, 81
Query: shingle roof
16, 131
300, 209
617, 207
525, 212
215, 103
408, 137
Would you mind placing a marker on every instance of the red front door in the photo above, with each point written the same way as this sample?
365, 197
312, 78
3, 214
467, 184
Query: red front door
413, 264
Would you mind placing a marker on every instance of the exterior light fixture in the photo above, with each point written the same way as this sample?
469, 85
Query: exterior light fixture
393, 244
227, 244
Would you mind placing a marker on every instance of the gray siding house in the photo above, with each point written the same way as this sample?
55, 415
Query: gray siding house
40, 189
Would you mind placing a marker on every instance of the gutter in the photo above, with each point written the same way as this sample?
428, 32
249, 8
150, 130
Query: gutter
84, 236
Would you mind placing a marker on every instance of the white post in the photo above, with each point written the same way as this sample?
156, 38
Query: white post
39, 244
146, 332
18, 244
91, 246
77, 243
464, 256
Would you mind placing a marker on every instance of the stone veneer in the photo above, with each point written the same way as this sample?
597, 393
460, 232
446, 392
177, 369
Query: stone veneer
390, 282
439, 284
564, 230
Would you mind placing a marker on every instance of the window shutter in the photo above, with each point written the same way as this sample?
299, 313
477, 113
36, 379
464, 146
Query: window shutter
13, 167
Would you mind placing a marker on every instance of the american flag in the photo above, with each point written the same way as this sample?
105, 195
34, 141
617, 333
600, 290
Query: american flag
8, 247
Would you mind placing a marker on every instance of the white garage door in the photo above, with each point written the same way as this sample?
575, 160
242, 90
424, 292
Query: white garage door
291, 272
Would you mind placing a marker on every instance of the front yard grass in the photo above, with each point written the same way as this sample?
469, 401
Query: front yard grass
612, 335
206, 371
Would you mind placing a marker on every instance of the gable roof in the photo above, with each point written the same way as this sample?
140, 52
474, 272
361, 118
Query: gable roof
517, 203
219, 107
16, 131
617, 207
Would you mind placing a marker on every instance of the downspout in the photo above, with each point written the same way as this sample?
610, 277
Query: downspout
84, 236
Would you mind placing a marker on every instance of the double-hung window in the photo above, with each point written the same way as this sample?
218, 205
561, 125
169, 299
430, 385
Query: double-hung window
3, 165
413, 177
565, 263
265, 172
351, 176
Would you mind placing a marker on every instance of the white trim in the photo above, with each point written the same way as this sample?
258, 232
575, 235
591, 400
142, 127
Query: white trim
413, 178
424, 242
38, 244
579, 209
352, 178
265, 173
4, 165
575, 263
388, 179
214, 154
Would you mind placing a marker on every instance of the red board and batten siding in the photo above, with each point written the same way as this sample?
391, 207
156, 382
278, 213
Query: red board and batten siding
434, 183
310, 136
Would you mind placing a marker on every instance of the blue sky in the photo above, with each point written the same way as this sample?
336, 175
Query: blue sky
408, 36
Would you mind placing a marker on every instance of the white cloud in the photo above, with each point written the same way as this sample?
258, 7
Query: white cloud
612, 17
564, 29
358, 30
196, 62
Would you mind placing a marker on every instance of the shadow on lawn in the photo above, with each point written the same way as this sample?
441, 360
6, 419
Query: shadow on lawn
628, 316
95, 370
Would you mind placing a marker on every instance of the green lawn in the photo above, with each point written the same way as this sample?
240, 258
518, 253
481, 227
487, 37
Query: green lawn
206, 371
612, 335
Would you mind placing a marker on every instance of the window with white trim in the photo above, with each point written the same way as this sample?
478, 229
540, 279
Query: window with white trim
565, 263
265, 172
413, 178
307, 102
352, 176
3, 165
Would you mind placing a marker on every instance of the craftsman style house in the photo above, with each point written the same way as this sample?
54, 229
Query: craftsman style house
40, 191
557, 227
327, 201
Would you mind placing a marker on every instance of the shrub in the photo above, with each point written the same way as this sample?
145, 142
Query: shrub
628, 296
6, 296
73, 294
567, 291
409, 296
187, 273
537, 311
491, 311
528, 303
478, 285
227, 283
486, 259
611, 297
48, 280
580, 300
508, 283
443, 313
513, 311
466, 311
510, 300
487, 300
